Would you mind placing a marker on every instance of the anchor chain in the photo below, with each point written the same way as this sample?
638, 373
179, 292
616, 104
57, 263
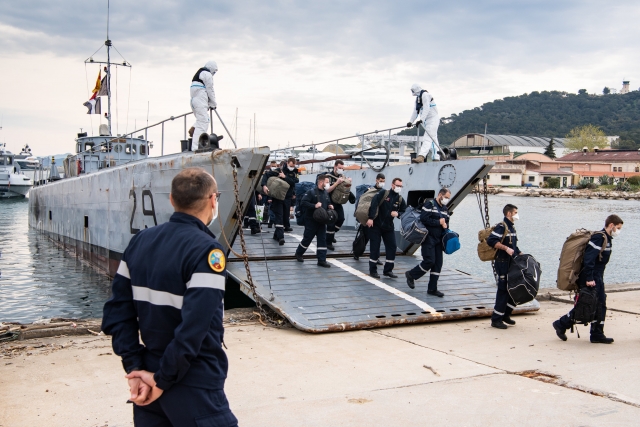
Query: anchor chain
262, 313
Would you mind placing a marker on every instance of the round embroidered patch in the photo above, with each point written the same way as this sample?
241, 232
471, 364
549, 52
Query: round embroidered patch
217, 261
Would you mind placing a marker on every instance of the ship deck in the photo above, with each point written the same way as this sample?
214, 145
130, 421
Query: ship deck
344, 297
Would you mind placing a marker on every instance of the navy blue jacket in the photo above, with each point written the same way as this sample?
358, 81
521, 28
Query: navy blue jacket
592, 266
290, 176
393, 202
430, 216
310, 199
510, 240
170, 287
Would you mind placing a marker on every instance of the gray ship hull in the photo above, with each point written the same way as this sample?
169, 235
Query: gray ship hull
95, 215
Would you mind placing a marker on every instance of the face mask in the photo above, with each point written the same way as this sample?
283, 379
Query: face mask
327, 186
340, 171
291, 167
398, 190
615, 232
515, 217
445, 200
215, 215
381, 185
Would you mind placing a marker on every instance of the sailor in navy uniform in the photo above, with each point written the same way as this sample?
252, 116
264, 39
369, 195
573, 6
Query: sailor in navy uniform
435, 216
281, 208
505, 240
595, 260
165, 313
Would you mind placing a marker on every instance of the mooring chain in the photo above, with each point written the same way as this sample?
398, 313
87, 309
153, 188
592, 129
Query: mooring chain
245, 258
487, 223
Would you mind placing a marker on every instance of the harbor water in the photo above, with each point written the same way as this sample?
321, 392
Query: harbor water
40, 280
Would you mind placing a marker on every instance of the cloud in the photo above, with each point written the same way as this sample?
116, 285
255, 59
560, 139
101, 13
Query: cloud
309, 70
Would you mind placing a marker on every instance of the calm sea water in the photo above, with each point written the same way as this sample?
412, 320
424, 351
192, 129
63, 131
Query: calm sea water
39, 280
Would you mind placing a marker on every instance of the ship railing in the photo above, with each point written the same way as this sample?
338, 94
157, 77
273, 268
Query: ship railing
386, 145
70, 163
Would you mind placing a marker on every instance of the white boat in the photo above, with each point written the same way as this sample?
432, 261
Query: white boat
13, 183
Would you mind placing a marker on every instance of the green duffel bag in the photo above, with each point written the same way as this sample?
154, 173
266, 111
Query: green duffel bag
340, 194
277, 188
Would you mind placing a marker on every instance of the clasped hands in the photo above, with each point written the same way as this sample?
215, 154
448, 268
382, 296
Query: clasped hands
143, 387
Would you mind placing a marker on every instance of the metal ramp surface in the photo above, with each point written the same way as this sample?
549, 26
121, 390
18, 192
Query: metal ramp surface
344, 297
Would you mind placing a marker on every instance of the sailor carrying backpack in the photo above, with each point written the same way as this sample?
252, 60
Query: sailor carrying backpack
523, 278
486, 252
362, 211
411, 228
450, 241
277, 188
342, 192
571, 258
301, 189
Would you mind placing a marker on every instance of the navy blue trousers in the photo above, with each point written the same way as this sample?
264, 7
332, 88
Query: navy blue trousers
597, 326
314, 229
504, 303
184, 406
376, 236
431, 261
332, 229
278, 207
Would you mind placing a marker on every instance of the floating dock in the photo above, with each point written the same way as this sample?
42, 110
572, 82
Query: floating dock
344, 297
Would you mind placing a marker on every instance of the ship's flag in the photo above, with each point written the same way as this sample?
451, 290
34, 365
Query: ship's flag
98, 85
93, 105
102, 87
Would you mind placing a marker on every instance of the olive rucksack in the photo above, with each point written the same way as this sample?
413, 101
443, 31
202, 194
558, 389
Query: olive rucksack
340, 194
277, 188
571, 258
486, 252
364, 203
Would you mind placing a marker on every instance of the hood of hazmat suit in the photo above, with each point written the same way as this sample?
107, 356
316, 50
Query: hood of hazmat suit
211, 66
415, 89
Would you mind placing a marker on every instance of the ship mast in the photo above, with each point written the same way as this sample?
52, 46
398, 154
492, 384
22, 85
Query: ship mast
109, 44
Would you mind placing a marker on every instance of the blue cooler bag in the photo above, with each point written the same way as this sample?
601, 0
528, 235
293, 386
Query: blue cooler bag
450, 241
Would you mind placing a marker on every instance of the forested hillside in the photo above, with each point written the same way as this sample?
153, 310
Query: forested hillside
548, 114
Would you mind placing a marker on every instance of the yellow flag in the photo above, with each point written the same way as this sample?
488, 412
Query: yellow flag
97, 88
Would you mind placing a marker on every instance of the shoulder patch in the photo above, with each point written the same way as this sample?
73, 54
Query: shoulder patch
217, 261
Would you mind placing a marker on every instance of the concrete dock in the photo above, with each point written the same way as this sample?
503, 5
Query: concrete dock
456, 373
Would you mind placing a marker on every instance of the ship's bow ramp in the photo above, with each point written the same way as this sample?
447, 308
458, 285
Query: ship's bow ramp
344, 297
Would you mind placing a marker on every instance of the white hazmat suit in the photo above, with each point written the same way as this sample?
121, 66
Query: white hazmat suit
427, 112
202, 97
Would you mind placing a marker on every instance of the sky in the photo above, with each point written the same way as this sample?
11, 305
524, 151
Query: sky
310, 71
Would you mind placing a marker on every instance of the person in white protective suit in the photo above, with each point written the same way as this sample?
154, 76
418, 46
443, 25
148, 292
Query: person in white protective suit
202, 98
427, 112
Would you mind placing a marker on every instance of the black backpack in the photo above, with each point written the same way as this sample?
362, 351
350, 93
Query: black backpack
586, 306
359, 243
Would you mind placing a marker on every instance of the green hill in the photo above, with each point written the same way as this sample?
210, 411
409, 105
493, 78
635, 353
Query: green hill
548, 114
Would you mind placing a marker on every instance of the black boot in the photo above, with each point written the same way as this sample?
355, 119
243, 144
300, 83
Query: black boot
436, 293
597, 334
560, 331
410, 282
507, 319
498, 324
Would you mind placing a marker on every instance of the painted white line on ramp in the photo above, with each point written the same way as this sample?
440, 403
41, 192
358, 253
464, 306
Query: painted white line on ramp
423, 305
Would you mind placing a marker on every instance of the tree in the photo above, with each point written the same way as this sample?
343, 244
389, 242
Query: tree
582, 92
589, 136
606, 91
550, 151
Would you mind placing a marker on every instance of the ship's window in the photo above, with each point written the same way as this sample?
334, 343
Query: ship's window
143, 149
49, 215
9, 160
130, 149
117, 148
417, 198
88, 146
86, 221
2, 161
